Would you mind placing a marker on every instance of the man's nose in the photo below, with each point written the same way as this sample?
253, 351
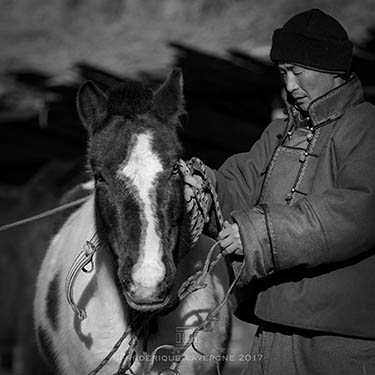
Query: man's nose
290, 83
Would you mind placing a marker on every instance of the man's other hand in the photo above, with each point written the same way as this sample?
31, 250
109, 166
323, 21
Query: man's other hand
230, 239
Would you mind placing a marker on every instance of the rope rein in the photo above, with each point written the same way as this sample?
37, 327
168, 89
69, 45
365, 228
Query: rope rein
44, 214
193, 283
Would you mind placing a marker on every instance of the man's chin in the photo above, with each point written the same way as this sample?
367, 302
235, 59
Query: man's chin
302, 105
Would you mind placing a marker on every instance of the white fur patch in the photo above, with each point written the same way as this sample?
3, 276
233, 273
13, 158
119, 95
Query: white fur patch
142, 168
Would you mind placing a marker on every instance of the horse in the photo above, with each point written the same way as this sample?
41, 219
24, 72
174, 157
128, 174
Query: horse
137, 221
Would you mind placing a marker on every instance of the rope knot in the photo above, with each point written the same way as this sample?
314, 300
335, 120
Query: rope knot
198, 196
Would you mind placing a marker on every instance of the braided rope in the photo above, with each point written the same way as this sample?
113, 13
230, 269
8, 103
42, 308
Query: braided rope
197, 280
196, 207
129, 356
198, 165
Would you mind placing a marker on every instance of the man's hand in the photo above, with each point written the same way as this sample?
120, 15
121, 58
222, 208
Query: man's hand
191, 182
230, 240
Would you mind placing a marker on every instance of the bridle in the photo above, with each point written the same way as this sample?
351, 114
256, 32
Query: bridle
84, 262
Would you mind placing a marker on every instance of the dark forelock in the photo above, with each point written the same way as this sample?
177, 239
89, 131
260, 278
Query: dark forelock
129, 99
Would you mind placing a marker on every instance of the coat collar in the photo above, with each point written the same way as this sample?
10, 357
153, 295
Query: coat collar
333, 104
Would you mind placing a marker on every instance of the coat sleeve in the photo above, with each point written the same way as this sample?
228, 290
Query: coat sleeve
331, 227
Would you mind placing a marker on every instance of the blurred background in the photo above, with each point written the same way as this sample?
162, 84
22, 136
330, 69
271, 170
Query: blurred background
49, 47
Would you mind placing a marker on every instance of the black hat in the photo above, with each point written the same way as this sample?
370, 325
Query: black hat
315, 40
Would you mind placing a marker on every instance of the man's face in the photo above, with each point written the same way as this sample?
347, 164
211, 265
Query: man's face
305, 85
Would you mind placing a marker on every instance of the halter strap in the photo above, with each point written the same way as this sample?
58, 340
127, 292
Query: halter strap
80, 263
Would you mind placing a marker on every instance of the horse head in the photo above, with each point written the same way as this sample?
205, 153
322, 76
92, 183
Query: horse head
132, 152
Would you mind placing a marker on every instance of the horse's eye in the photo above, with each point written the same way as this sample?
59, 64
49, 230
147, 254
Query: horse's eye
99, 178
175, 170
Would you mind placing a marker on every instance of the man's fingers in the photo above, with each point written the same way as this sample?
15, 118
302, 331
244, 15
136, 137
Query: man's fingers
224, 243
224, 233
229, 250
190, 180
229, 229
194, 181
232, 248
230, 239
188, 193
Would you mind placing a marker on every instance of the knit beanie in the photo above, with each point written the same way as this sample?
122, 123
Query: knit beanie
315, 40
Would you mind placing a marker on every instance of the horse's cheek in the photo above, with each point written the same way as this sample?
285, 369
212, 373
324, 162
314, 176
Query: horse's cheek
173, 237
106, 213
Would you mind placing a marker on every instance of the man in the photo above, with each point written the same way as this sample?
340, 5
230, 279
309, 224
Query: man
301, 203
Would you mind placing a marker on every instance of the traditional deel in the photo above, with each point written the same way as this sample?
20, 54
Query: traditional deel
313, 187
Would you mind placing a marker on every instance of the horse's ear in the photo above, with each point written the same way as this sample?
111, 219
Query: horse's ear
168, 101
91, 105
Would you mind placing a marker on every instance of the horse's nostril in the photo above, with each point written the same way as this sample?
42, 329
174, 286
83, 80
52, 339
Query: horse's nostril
144, 295
148, 275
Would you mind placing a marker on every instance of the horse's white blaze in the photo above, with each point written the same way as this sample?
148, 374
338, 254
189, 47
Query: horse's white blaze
142, 168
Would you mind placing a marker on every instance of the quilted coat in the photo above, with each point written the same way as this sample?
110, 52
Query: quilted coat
303, 198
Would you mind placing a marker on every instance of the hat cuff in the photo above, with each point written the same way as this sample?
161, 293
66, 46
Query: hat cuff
325, 55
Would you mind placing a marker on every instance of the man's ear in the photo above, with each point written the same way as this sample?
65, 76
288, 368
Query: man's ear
91, 106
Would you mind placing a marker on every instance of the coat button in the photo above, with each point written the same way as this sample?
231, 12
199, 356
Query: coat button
288, 196
302, 157
309, 137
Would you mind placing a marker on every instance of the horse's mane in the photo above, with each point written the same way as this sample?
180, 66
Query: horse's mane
129, 99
